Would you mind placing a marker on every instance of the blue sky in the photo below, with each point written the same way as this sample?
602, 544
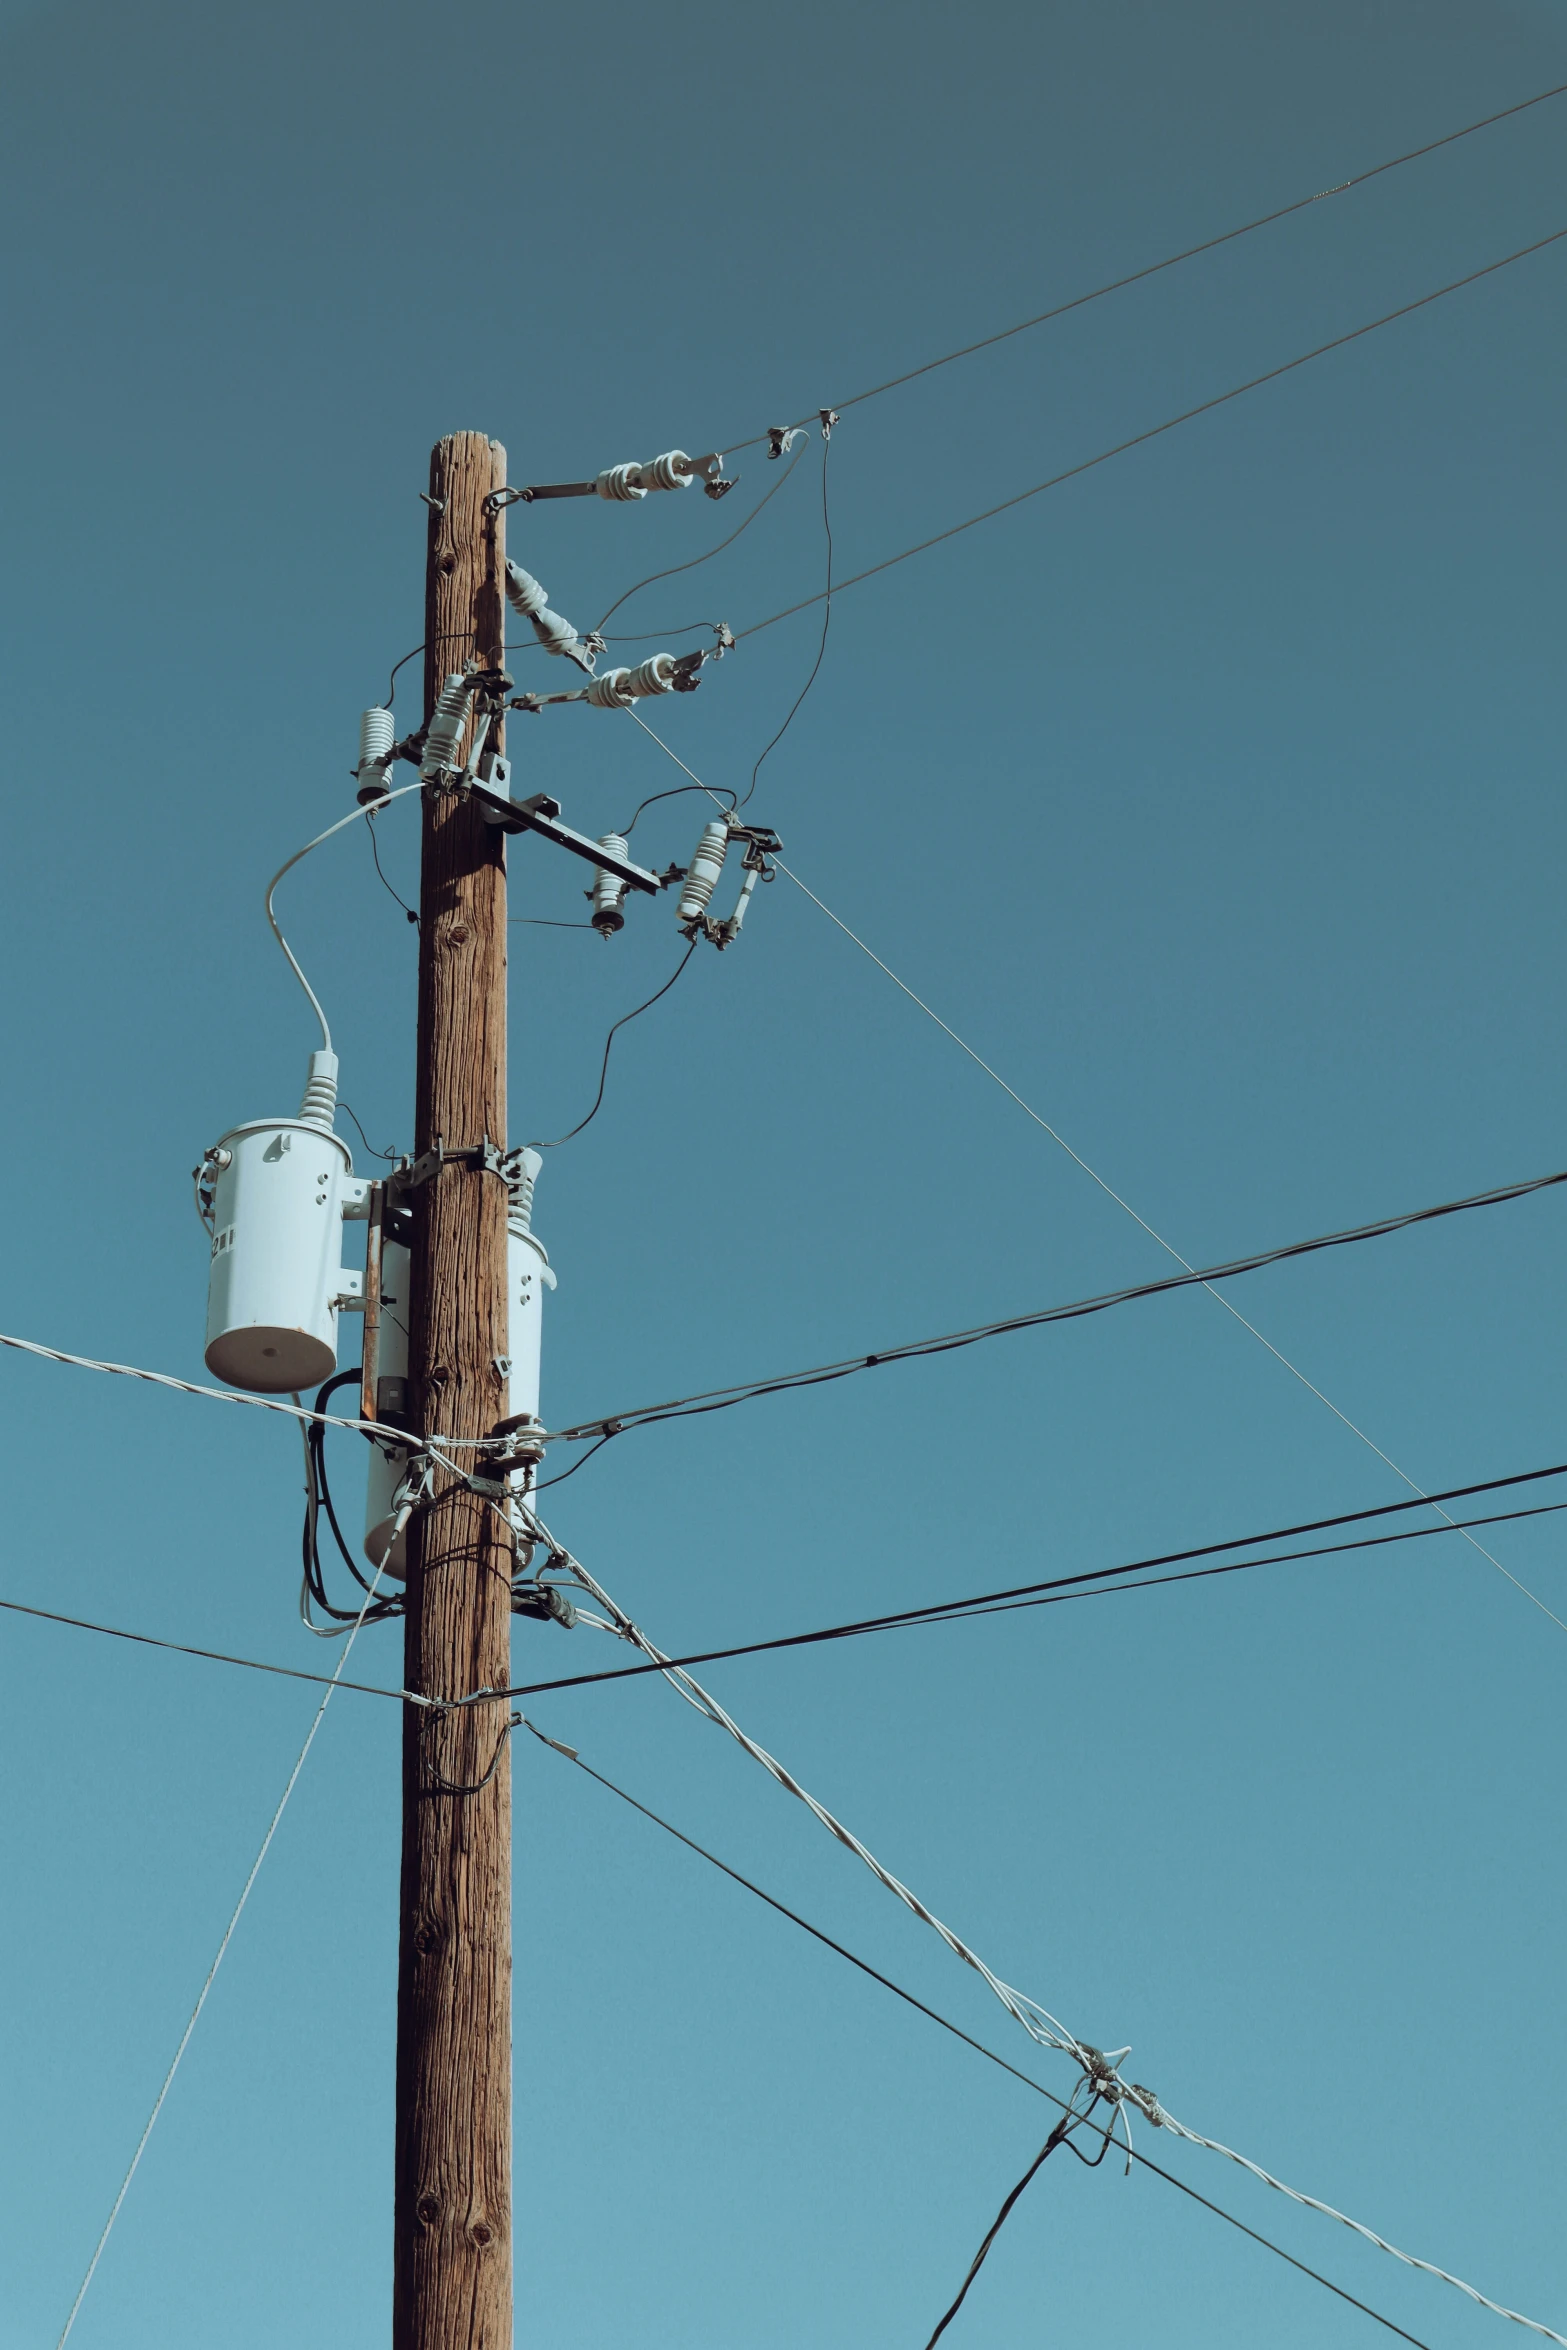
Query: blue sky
1213, 797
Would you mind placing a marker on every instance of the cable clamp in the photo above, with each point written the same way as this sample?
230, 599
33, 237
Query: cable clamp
829, 417
486, 1157
782, 437
546, 1601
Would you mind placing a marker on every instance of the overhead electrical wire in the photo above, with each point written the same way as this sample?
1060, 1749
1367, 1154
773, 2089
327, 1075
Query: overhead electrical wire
353, 817
933, 2015
955, 1611
1092, 1583
675, 569
1102, 2073
717, 1399
1171, 261
1168, 1247
1153, 432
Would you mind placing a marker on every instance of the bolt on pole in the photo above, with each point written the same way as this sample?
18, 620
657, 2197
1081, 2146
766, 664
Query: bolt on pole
452, 2286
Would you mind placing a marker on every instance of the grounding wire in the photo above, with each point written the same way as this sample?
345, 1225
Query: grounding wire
352, 817
821, 648
1169, 1248
914, 1350
955, 1611
1172, 260
1153, 431
1046, 2031
375, 851
676, 568
222, 1949
598, 1099
934, 2016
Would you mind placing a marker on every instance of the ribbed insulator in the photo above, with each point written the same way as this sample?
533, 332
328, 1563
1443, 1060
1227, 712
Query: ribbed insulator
377, 733
447, 721
609, 890
655, 675
704, 869
621, 482
554, 634
672, 471
609, 691
319, 1106
523, 591
519, 1190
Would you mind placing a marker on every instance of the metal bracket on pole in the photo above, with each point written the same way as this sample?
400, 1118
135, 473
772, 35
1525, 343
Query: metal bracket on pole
486, 1156
541, 814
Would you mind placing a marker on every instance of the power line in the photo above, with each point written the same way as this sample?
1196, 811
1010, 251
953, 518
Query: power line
675, 569
1095, 1583
933, 2015
946, 1611
1168, 1247
912, 1350
1153, 431
1172, 261
598, 1098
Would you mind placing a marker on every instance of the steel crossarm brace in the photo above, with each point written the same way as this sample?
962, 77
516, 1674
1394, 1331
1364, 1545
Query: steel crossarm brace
541, 814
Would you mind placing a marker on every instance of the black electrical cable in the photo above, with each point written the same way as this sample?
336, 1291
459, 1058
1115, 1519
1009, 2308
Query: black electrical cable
1046, 1593
1057, 2137
1153, 431
364, 1138
375, 852
575, 1466
718, 1399
932, 2015
1172, 260
676, 791
379, 1610
598, 1098
826, 624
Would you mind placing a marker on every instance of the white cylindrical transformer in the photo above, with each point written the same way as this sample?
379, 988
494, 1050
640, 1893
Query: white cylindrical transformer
389, 1462
276, 1248
528, 1275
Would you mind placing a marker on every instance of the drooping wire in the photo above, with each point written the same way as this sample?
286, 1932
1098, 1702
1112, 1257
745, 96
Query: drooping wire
1152, 433
676, 791
598, 1098
675, 569
1172, 261
1058, 2137
353, 817
542, 922
826, 603
349, 1112
375, 852
318, 1498
933, 2015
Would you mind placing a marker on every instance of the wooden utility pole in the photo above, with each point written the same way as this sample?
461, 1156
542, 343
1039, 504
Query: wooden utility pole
452, 2287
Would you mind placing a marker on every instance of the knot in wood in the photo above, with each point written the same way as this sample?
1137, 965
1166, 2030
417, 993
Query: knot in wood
427, 1938
481, 2233
428, 2208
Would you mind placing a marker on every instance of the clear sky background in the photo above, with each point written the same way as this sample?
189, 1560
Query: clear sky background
1215, 798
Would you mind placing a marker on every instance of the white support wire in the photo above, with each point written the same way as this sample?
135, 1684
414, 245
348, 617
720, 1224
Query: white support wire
1101, 2072
372, 808
228, 1933
437, 1446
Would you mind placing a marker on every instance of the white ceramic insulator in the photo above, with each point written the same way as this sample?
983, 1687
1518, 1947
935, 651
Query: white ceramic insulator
377, 733
388, 1462
608, 692
523, 592
276, 1243
319, 1107
703, 871
609, 890
554, 634
655, 675
519, 1206
673, 471
621, 482
447, 721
